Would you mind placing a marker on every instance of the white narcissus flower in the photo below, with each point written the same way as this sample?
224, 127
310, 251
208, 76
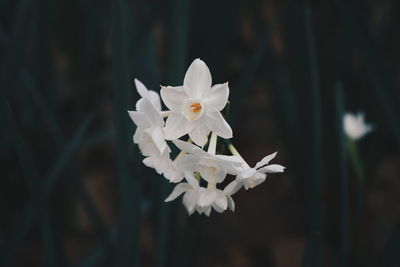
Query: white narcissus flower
212, 168
150, 95
149, 135
190, 197
355, 126
195, 107
220, 200
252, 177
202, 199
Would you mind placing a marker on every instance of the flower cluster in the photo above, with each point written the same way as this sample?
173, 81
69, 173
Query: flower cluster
194, 109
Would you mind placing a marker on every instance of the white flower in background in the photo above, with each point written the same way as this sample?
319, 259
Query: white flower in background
212, 168
252, 177
195, 107
355, 126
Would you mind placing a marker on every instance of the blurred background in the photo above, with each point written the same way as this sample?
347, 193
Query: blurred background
74, 191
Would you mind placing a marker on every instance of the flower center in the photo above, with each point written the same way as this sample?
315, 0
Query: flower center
196, 107
207, 172
147, 138
210, 170
192, 109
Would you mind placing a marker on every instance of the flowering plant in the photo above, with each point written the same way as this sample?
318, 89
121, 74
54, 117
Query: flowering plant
194, 109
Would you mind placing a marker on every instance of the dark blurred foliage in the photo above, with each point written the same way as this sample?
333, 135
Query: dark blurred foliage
75, 193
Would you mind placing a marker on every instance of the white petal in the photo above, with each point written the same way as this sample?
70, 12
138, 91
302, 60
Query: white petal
255, 180
207, 211
148, 149
152, 96
152, 113
231, 203
217, 97
191, 180
232, 187
140, 119
157, 135
207, 197
173, 97
230, 164
221, 201
197, 81
232, 159
139, 104
178, 190
247, 173
186, 162
189, 148
176, 126
199, 134
159, 163
265, 160
141, 89
273, 168
216, 123
136, 136
149, 162
173, 175
189, 201
217, 208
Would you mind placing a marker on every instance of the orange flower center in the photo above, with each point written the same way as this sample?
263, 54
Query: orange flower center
195, 107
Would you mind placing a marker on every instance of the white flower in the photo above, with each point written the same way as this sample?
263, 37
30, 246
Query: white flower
160, 162
355, 126
218, 199
149, 135
195, 107
202, 200
192, 191
189, 198
150, 95
212, 168
252, 177
171, 172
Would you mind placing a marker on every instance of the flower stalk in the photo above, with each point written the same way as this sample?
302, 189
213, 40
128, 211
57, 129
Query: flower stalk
358, 166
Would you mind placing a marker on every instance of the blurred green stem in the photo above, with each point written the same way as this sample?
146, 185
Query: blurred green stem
356, 162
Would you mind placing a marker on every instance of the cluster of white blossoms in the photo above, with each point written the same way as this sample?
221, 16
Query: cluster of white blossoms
194, 110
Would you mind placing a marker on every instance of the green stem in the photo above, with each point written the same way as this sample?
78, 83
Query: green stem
356, 160
197, 176
357, 164
233, 150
